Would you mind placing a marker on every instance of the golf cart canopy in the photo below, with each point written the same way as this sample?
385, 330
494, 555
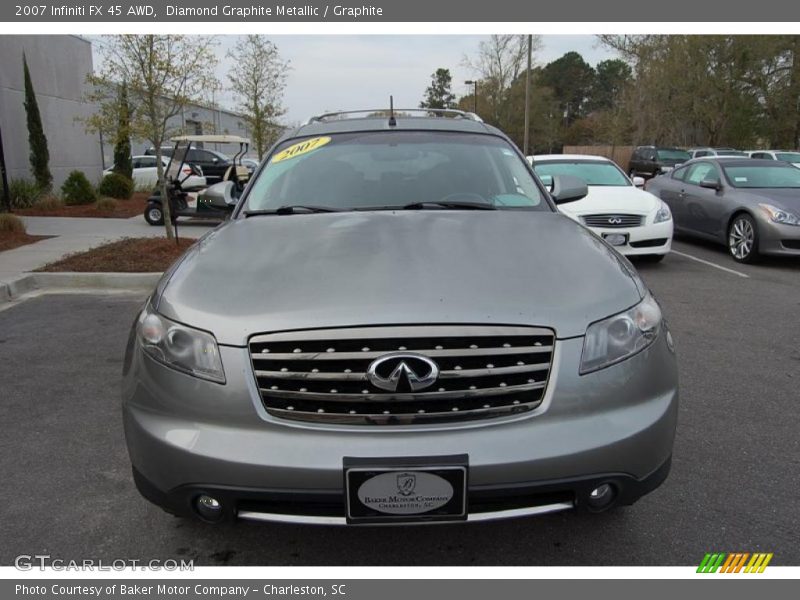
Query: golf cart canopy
211, 139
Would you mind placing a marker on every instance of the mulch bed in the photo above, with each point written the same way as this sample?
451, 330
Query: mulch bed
10, 240
131, 255
125, 209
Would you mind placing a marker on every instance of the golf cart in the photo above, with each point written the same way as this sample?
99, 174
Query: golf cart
208, 206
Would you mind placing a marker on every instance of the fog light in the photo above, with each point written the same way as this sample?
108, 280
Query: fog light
601, 496
208, 508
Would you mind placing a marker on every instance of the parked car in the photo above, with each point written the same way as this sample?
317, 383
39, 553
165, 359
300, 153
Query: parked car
784, 155
752, 206
396, 325
650, 161
145, 173
635, 222
702, 152
251, 164
213, 164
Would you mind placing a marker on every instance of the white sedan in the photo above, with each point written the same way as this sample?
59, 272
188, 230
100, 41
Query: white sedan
145, 174
792, 158
635, 222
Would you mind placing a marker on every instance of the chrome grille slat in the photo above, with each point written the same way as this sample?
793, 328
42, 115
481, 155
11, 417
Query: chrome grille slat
605, 220
321, 375
410, 397
432, 353
464, 373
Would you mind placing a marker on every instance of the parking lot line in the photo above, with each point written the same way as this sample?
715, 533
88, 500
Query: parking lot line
711, 264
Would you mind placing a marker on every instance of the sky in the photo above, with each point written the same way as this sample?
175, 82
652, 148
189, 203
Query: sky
347, 72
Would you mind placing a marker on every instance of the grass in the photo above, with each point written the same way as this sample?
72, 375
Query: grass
124, 209
131, 255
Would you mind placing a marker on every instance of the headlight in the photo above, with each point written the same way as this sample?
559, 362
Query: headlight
663, 214
778, 215
665, 169
183, 348
619, 337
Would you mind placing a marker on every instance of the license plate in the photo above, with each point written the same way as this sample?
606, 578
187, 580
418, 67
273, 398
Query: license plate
406, 490
616, 239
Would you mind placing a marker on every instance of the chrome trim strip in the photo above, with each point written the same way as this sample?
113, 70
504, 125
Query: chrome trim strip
432, 353
329, 376
410, 397
401, 332
473, 517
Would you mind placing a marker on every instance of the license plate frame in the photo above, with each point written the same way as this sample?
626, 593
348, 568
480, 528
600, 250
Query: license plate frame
426, 471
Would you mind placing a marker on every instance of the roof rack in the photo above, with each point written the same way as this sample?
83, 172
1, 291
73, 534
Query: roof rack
401, 112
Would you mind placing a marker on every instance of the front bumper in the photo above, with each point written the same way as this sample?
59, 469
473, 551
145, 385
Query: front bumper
778, 239
188, 436
642, 240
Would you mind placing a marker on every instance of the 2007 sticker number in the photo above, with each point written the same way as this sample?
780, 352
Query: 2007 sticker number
300, 148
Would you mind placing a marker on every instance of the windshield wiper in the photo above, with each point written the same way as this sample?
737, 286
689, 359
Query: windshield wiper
451, 205
292, 209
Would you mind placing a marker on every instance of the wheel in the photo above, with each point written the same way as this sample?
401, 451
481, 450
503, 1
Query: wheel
743, 239
153, 214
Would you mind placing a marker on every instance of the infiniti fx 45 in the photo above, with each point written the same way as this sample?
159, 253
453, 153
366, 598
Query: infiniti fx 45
397, 326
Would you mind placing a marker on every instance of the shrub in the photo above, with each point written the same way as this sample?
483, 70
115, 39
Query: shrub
24, 193
49, 202
11, 223
116, 186
77, 189
106, 205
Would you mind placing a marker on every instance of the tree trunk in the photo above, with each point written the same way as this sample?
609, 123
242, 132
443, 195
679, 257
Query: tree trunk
166, 209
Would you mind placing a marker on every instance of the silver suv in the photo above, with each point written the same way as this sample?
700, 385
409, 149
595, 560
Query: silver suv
396, 325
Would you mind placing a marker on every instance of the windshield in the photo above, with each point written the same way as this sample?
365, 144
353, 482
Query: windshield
664, 154
767, 176
791, 157
591, 171
394, 169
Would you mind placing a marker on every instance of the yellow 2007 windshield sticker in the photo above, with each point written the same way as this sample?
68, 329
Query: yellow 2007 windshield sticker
300, 148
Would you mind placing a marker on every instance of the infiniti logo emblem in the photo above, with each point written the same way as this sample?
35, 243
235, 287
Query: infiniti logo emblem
615, 220
400, 372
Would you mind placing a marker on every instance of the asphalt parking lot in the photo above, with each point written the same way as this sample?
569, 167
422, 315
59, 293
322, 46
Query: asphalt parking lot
67, 490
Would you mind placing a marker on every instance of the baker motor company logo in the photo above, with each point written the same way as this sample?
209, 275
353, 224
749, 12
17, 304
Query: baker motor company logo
734, 562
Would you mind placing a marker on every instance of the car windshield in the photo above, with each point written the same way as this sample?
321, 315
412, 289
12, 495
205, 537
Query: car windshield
593, 172
763, 176
395, 169
730, 153
791, 157
664, 154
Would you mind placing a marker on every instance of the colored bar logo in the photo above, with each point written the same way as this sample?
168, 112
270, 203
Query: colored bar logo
734, 562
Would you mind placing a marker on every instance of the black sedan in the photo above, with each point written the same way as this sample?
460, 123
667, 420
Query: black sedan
752, 206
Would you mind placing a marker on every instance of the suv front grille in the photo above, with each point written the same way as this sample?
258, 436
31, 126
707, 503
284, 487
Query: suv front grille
612, 220
321, 375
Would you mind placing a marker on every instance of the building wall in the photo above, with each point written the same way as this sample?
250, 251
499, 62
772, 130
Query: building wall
58, 65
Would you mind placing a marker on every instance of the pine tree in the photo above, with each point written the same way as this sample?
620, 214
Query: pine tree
439, 93
122, 146
40, 156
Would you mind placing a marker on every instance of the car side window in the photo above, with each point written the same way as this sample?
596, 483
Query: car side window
701, 171
146, 162
680, 173
700, 153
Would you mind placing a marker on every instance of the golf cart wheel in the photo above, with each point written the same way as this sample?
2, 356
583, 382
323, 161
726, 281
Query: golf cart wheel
743, 239
153, 214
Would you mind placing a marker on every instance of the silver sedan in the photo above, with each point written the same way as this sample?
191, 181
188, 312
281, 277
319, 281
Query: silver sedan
752, 206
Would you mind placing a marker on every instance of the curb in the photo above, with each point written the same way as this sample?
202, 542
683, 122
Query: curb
13, 289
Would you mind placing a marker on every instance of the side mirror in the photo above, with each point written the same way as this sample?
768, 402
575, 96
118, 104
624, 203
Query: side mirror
219, 196
567, 188
638, 181
712, 184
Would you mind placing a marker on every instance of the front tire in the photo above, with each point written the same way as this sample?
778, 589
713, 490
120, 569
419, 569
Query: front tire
653, 258
743, 239
154, 215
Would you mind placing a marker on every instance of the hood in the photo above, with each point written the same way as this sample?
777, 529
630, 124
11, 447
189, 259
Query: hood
616, 199
278, 273
785, 198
